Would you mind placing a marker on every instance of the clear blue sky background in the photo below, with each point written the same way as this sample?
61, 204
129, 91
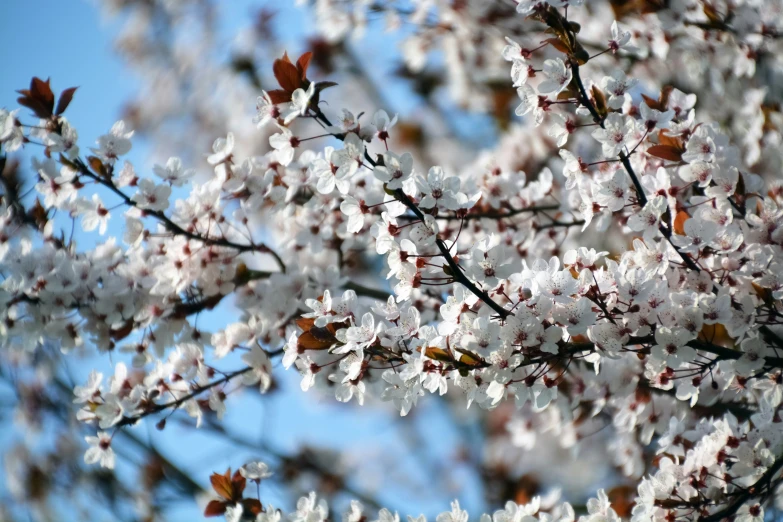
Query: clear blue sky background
68, 41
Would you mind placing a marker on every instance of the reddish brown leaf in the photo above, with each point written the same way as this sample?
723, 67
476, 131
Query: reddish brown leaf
324, 85
740, 190
215, 508
469, 358
622, 501
279, 96
333, 327
580, 54
662, 101
323, 334
39, 214
222, 485
765, 294
664, 98
39, 98
439, 354
651, 102
97, 166
287, 75
559, 45
67, 162
623, 8
238, 481
666, 152
303, 63
305, 323
122, 332
672, 141
679, 222
600, 101
65, 99
651, 6
33, 105
307, 341
713, 15
42, 90
252, 505
10, 177
717, 334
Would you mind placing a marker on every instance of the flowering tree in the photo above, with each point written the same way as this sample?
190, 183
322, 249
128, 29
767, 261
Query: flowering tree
615, 260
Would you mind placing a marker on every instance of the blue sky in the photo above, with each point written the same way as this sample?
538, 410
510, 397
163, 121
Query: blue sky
69, 42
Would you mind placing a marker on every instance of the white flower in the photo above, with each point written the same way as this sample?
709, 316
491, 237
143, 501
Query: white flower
425, 234
321, 309
65, 141
558, 77
615, 134
329, 175
617, 85
520, 70
359, 337
403, 393
258, 359
173, 172
530, 102
576, 316
573, 169
561, 127
671, 346
94, 214
350, 157
266, 110
752, 358
700, 146
490, 264
395, 170
310, 509
613, 193
222, 149
55, 187
725, 184
619, 39
90, 390
438, 190
608, 336
526, 7
382, 124
353, 209
11, 135
256, 471
114, 144
300, 102
354, 513
348, 388
455, 515
750, 512
216, 403
100, 450
699, 234
284, 142
151, 196
654, 119
648, 219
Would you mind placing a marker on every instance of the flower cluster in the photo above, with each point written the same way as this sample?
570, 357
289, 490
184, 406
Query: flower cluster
497, 284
